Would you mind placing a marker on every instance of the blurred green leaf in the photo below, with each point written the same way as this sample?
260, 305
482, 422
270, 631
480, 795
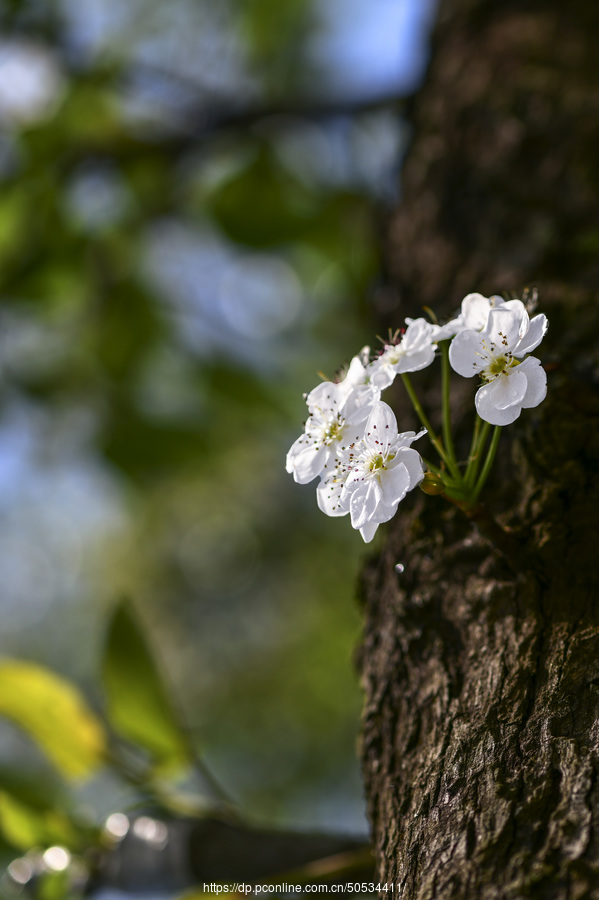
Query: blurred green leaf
25, 827
138, 704
14, 213
54, 886
264, 205
87, 116
38, 788
20, 825
276, 36
145, 448
126, 328
54, 714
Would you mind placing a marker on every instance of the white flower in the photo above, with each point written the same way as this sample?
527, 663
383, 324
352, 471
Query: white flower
496, 353
473, 316
381, 469
357, 381
356, 373
337, 415
414, 351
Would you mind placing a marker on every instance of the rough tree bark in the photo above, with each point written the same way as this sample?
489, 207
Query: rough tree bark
481, 670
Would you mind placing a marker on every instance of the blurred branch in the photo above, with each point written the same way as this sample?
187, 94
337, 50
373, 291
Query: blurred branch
214, 115
214, 849
221, 850
208, 122
220, 114
314, 109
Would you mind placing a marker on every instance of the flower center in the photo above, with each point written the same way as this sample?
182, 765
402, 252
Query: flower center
394, 355
498, 365
377, 462
334, 431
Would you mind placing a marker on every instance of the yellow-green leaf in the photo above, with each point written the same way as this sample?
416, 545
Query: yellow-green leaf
54, 714
25, 827
20, 825
138, 704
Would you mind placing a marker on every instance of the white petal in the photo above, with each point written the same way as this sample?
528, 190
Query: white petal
503, 328
359, 402
382, 375
516, 306
325, 397
490, 412
356, 374
306, 459
533, 337
508, 389
331, 496
467, 353
363, 503
475, 312
408, 437
418, 335
384, 513
443, 332
537, 382
412, 460
415, 360
368, 531
395, 484
381, 425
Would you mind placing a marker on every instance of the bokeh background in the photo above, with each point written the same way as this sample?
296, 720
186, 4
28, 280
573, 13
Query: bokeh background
191, 207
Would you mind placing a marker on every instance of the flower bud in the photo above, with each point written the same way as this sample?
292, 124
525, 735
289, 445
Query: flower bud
432, 484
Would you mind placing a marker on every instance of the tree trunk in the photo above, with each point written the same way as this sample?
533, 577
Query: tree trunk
480, 663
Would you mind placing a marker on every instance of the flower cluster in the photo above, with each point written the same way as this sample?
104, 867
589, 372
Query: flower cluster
351, 440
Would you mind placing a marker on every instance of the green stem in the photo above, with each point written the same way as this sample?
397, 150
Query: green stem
146, 784
451, 465
433, 468
220, 794
488, 461
445, 380
481, 433
473, 445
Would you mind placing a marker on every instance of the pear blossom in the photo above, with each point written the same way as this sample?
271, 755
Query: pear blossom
414, 351
511, 382
381, 469
338, 411
356, 374
473, 316
356, 380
